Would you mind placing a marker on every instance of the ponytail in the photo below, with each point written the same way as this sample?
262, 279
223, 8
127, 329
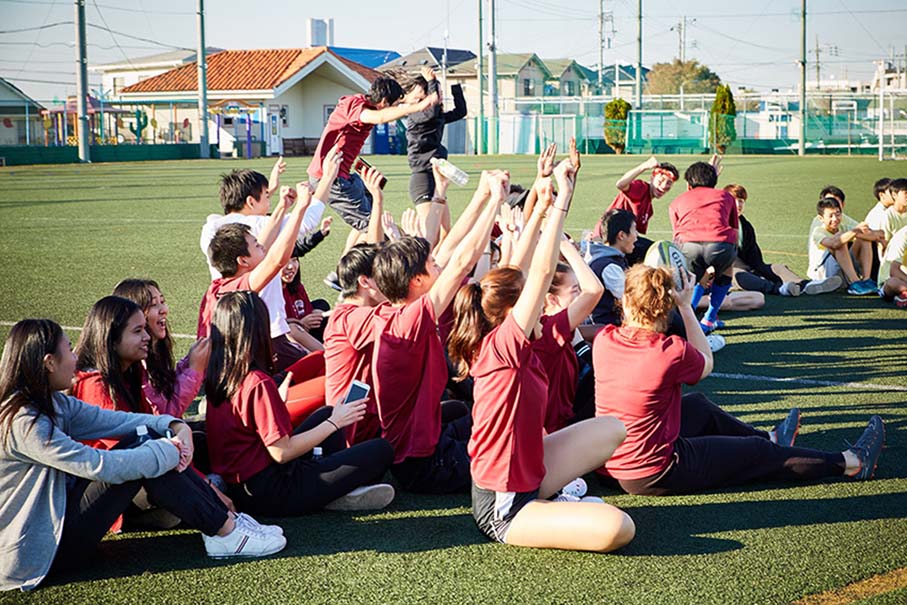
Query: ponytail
470, 327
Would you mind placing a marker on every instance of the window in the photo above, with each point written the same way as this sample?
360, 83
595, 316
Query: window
569, 88
528, 87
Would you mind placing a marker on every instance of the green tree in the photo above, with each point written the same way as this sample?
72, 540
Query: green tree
616, 112
722, 131
666, 78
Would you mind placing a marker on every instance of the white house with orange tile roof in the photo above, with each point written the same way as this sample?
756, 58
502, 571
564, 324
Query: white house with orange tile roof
280, 96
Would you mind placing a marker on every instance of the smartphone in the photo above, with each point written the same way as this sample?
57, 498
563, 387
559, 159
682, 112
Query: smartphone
358, 390
360, 165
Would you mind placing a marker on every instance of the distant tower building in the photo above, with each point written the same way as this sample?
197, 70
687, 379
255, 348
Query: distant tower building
321, 32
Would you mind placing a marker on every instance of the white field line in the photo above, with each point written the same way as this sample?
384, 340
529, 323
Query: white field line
10, 324
866, 386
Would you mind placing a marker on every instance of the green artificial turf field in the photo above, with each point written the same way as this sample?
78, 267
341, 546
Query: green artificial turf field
70, 233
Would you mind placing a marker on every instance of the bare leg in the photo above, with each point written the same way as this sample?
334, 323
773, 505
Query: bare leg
740, 300
863, 252
571, 526
578, 449
842, 255
785, 273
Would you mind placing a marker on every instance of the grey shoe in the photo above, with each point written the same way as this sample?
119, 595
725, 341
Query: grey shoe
823, 286
786, 432
332, 281
790, 288
868, 448
367, 497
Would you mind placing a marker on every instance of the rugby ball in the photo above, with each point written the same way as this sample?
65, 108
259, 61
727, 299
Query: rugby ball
665, 254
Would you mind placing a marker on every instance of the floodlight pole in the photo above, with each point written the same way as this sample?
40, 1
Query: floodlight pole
480, 77
801, 144
639, 58
493, 82
200, 58
81, 83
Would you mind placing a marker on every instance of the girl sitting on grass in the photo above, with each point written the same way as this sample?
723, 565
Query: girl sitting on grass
686, 444
515, 467
270, 468
58, 496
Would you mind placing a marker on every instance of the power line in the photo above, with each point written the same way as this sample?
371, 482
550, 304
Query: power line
105, 6
32, 29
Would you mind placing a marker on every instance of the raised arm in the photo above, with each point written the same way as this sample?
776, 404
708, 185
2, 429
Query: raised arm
459, 110
396, 112
280, 252
274, 180
465, 223
528, 307
269, 232
590, 288
375, 232
470, 248
543, 168
529, 239
623, 183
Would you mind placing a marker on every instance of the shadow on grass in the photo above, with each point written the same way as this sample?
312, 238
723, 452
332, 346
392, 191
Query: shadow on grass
680, 529
320, 534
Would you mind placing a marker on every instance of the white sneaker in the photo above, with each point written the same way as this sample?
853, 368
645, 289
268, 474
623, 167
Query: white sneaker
243, 541
367, 497
248, 521
577, 488
566, 498
789, 289
716, 342
593, 500
823, 286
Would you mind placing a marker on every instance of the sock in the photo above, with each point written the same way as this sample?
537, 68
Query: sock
698, 293
719, 293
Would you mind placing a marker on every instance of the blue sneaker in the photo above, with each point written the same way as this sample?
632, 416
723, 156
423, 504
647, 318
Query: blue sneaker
868, 448
861, 288
710, 326
786, 432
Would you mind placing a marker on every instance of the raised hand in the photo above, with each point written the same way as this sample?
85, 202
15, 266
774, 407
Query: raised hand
545, 163
574, 155
330, 168
373, 177
427, 73
326, 225
389, 226
411, 224
651, 163
715, 162
199, 353
565, 175
288, 196
274, 180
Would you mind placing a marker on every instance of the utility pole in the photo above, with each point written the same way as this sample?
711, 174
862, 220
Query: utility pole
480, 77
681, 29
801, 144
601, 45
639, 59
82, 82
493, 82
202, 61
818, 65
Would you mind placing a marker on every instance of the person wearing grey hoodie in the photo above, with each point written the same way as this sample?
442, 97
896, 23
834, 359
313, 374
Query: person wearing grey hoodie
58, 497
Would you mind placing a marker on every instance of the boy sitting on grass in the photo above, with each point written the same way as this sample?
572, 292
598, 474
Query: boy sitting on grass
893, 270
833, 251
895, 217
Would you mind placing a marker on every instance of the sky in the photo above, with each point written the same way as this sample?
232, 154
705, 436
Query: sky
751, 43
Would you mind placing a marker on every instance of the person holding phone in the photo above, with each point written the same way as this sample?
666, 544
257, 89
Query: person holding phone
348, 127
270, 468
679, 444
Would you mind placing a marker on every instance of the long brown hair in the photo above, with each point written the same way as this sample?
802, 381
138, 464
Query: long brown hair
478, 309
649, 296
159, 362
23, 377
97, 346
240, 342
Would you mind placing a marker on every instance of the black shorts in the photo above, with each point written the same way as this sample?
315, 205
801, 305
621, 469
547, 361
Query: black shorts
702, 255
495, 511
421, 187
351, 200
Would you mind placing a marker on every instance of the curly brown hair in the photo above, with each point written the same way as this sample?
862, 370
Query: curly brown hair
649, 296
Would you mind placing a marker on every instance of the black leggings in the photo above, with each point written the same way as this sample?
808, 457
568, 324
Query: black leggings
306, 485
715, 449
93, 506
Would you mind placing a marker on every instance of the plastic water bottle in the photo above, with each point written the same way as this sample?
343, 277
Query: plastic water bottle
141, 433
453, 174
317, 453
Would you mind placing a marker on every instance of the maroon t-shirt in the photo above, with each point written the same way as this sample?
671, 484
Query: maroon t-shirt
638, 200
704, 214
296, 305
556, 353
506, 446
349, 340
218, 288
409, 371
239, 430
638, 378
343, 127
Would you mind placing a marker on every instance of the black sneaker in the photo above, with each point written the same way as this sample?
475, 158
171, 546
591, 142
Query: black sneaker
868, 448
786, 432
332, 281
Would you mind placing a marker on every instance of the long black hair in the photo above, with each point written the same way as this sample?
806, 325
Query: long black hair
24, 382
159, 364
96, 350
240, 342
